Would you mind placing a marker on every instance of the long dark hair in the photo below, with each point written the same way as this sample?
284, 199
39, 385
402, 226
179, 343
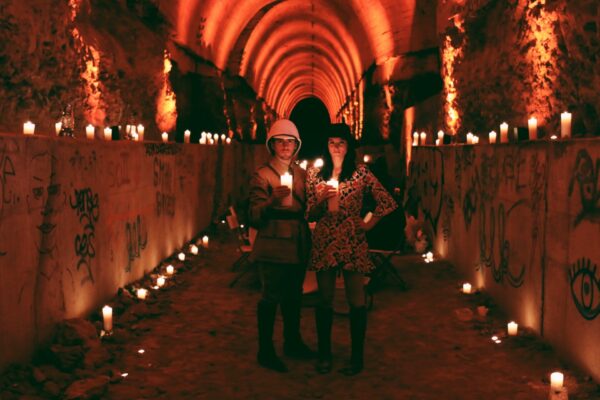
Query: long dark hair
341, 131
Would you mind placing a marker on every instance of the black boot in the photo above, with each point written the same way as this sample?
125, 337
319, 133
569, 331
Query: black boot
324, 319
294, 346
358, 328
266, 356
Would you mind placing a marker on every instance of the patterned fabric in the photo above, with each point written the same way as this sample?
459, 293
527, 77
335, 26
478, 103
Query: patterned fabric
338, 239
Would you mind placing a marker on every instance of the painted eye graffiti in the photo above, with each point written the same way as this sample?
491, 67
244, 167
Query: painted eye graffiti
585, 288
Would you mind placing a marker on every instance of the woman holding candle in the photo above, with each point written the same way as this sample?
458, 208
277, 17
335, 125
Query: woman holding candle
282, 243
339, 240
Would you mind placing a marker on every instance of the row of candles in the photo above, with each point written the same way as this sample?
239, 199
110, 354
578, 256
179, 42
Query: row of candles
512, 329
136, 133
532, 125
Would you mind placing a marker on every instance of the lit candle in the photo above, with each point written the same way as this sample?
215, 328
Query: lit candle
469, 138
28, 128
492, 136
194, 249
228, 140
556, 380
565, 125
107, 133
287, 181
304, 164
423, 138
368, 217
441, 136
553, 137
504, 132
186, 136
205, 241
318, 163
128, 129
216, 137
165, 137
135, 136
466, 288
437, 142
513, 328
532, 125
202, 140
333, 203
181, 256
415, 139
142, 293
223, 136
58, 127
366, 158
211, 141
170, 270
140, 131
475, 139
108, 318
89, 131
160, 281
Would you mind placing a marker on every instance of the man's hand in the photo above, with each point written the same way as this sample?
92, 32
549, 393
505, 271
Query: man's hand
324, 192
279, 193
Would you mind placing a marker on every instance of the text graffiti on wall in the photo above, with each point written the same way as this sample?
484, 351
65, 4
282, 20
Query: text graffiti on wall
137, 239
85, 202
164, 184
7, 196
427, 184
585, 288
585, 175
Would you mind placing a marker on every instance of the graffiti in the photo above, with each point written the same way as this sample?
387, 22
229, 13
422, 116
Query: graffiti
470, 203
585, 288
585, 175
83, 163
137, 239
164, 182
153, 149
118, 171
493, 243
489, 178
85, 202
458, 174
511, 168
7, 196
427, 185
447, 218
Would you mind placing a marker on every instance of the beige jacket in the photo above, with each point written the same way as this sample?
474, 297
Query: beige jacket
283, 235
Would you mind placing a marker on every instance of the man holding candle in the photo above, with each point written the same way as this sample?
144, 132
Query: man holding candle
282, 243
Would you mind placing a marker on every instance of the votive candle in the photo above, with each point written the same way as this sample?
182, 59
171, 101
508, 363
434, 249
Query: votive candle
107, 316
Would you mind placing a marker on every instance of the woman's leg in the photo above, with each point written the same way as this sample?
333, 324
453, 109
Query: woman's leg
291, 307
324, 318
355, 294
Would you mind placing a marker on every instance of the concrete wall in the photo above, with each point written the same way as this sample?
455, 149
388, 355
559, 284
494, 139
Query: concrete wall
522, 222
79, 219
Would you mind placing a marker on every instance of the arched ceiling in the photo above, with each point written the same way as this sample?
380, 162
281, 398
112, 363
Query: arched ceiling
289, 50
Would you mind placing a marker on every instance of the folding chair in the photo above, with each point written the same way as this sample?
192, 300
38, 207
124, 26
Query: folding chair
384, 268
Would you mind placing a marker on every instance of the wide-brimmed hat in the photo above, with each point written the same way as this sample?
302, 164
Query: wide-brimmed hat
283, 128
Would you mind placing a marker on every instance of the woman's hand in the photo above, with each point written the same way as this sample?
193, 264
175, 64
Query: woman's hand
324, 192
279, 193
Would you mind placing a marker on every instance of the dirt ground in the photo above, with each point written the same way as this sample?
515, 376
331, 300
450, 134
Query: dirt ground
421, 343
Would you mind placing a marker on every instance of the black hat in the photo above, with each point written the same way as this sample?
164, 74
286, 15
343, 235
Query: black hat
341, 131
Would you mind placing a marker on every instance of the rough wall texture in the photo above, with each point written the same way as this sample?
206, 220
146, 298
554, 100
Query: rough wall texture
522, 222
78, 219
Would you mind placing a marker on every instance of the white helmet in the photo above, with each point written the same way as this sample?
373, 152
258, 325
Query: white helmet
283, 127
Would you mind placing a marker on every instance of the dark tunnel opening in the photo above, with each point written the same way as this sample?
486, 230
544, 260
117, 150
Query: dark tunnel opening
311, 117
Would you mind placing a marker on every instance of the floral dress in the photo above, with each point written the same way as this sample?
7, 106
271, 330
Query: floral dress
338, 239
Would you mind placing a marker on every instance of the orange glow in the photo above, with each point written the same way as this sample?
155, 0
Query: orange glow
409, 120
166, 104
450, 57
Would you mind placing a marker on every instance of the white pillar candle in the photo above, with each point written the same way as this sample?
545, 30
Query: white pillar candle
223, 136
142, 293
194, 249
181, 256
333, 203
128, 129
366, 158
304, 164
216, 137
287, 180
415, 139
228, 140
89, 131
466, 288
160, 281
475, 139
205, 241
107, 133
135, 136
512, 328
469, 138
202, 140
438, 142
532, 125
318, 163
186, 136
211, 141
108, 318
423, 138
504, 132
58, 127
28, 128
170, 270
556, 380
165, 137
140, 131
492, 136
565, 125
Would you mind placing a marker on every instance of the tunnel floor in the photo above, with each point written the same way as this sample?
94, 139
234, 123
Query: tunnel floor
199, 342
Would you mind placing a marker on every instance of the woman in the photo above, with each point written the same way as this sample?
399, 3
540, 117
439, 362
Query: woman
339, 241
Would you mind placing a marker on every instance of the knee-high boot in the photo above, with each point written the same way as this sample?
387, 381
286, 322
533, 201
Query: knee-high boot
293, 345
358, 328
266, 356
324, 320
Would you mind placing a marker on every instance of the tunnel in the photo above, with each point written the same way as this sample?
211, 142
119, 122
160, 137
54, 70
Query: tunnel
143, 167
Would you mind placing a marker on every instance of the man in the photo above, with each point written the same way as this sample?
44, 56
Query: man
282, 244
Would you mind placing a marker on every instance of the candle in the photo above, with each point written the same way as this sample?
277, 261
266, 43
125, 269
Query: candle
318, 163
333, 203
202, 140
368, 217
366, 158
170, 270
469, 138
128, 129
423, 138
28, 128
223, 138
165, 137
108, 318
58, 127
556, 380
466, 288
135, 136
532, 125
205, 241
107, 133
513, 328
228, 140
304, 164
142, 293
89, 131
160, 281
287, 181
438, 142
211, 141
181, 256
216, 137
186, 136
140, 131
553, 137
492, 136
475, 139
194, 249
415, 139
504, 132
565, 125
